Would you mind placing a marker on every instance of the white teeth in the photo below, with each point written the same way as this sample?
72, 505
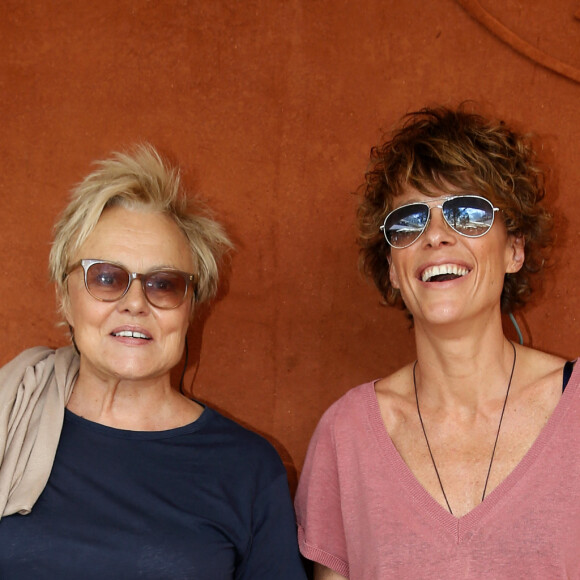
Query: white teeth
130, 334
428, 273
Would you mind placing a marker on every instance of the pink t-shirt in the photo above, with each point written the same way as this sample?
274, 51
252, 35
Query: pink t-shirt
362, 513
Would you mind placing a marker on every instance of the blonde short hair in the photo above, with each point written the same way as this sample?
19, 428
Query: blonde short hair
140, 180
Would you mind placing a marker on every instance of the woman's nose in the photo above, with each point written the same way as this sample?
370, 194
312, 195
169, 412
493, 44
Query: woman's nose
438, 231
134, 300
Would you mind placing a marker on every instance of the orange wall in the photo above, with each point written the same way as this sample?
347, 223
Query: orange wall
271, 107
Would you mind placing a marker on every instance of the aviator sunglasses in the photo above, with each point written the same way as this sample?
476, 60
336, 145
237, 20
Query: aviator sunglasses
108, 282
468, 215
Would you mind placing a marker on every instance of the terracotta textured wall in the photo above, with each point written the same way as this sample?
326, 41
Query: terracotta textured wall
271, 108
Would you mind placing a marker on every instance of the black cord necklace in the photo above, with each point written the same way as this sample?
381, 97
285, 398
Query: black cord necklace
496, 435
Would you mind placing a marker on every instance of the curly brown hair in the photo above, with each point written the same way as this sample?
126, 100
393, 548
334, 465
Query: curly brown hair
438, 150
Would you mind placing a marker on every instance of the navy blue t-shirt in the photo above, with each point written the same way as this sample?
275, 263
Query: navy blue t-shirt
208, 501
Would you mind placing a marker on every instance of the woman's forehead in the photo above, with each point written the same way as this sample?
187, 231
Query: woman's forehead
137, 239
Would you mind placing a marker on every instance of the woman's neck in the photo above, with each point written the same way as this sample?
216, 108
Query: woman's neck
151, 405
463, 368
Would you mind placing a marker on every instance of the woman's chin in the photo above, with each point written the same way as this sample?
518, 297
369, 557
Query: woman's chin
440, 314
127, 368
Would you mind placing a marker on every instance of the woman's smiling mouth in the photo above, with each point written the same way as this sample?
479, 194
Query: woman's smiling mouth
443, 273
131, 334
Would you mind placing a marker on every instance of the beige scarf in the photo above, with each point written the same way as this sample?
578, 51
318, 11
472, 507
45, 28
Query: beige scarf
34, 390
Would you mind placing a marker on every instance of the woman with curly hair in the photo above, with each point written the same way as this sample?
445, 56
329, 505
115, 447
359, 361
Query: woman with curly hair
465, 462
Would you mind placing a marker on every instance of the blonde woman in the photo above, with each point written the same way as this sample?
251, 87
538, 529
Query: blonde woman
107, 470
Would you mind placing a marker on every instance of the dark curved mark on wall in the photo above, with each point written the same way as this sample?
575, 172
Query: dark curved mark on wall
476, 11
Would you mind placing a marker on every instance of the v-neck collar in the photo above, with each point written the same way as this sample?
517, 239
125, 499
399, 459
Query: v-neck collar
462, 527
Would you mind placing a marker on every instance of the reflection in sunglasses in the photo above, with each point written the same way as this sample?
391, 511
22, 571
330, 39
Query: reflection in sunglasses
468, 215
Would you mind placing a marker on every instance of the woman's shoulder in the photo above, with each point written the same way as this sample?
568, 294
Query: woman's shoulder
537, 365
395, 384
358, 406
237, 439
540, 377
539, 356
355, 398
28, 357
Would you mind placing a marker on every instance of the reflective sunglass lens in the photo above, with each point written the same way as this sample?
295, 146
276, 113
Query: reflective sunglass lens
470, 216
165, 289
107, 281
404, 225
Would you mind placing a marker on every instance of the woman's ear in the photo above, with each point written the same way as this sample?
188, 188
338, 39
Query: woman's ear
393, 276
63, 300
516, 253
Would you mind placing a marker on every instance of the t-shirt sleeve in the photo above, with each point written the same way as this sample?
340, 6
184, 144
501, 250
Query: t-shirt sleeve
274, 550
321, 536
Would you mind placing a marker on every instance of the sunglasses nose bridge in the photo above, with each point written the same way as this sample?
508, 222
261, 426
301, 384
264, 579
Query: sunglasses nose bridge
438, 226
132, 276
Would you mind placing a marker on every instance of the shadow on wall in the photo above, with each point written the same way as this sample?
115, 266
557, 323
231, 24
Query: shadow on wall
190, 362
